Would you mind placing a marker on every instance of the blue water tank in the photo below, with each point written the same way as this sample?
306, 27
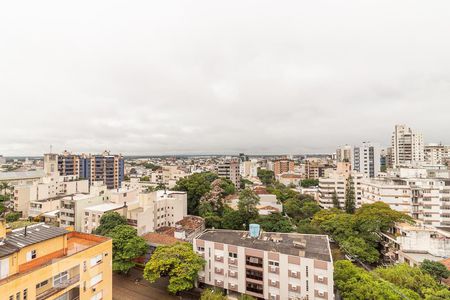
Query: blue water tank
254, 230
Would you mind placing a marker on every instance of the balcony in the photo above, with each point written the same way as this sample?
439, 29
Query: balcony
59, 287
233, 287
232, 261
232, 274
218, 258
218, 283
218, 271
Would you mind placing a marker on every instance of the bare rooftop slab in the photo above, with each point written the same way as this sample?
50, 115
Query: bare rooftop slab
304, 245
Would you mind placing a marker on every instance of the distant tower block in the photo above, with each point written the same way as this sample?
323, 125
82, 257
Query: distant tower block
50, 163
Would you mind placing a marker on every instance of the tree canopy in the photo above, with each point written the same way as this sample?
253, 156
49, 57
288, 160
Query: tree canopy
436, 269
195, 185
179, 262
213, 294
358, 234
350, 203
127, 246
274, 222
266, 176
108, 222
309, 182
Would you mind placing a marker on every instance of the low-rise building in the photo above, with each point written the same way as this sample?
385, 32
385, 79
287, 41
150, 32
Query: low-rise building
44, 262
46, 188
412, 244
266, 265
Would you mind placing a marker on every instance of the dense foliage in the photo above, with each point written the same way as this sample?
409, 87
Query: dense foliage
267, 177
12, 217
358, 234
108, 222
127, 246
213, 294
435, 269
196, 186
309, 182
179, 262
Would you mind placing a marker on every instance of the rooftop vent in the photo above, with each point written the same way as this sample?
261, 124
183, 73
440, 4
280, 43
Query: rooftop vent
276, 238
300, 244
254, 230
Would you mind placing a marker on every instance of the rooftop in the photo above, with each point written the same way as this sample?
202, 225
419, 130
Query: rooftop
104, 207
21, 175
315, 246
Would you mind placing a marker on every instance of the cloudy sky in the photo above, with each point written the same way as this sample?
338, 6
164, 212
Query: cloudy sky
170, 77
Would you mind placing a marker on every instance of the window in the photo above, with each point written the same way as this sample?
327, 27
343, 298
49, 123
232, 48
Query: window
306, 271
41, 284
97, 296
96, 260
84, 266
96, 279
232, 255
273, 263
31, 255
60, 278
18, 296
25, 294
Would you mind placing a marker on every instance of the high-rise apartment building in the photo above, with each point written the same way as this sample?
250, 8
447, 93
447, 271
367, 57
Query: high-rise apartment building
407, 146
279, 266
366, 159
44, 262
344, 153
437, 154
230, 170
106, 167
420, 193
283, 165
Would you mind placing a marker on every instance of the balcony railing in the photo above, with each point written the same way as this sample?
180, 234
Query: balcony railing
57, 288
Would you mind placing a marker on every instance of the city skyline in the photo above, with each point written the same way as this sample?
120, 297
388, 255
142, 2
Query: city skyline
210, 77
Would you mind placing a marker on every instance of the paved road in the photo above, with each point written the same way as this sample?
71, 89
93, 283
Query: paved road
133, 287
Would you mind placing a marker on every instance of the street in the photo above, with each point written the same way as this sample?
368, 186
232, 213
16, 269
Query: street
134, 287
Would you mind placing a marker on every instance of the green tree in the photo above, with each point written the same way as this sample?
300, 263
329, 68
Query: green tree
309, 182
213, 294
360, 248
335, 198
246, 297
350, 204
266, 176
233, 219
145, 178
412, 278
12, 217
247, 205
108, 222
436, 269
195, 185
127, 246
274, 222
179, 262
357, 284
227, 187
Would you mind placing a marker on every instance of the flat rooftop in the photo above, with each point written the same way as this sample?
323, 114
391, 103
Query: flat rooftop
316, 246
104, 207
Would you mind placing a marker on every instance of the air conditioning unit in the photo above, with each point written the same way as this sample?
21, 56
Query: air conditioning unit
321, 294
273, 269
320, 278
294, 288
232, 273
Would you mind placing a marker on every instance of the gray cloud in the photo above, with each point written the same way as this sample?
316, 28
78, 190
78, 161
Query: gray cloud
166, 77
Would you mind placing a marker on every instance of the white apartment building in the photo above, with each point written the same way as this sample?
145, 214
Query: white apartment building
230, 170
366, 159
148, 212
48, 187
249, 168
344, 153
336, 182
407, 147
412, 244
437, 154
167, 175
414, 192
72, 208
266, 265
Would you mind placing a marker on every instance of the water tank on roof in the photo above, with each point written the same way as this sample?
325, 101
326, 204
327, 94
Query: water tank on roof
254, 230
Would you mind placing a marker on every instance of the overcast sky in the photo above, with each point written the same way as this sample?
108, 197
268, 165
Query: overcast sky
172, 77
